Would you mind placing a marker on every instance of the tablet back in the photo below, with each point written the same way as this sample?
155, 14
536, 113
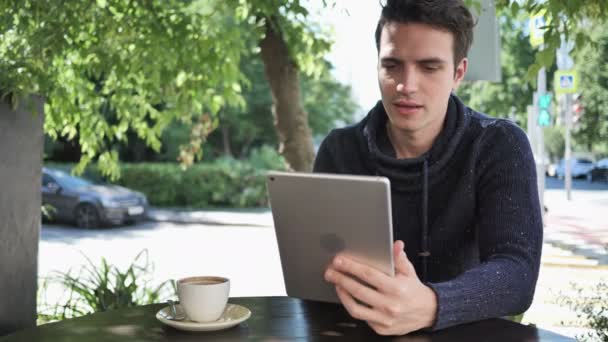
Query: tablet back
318, 215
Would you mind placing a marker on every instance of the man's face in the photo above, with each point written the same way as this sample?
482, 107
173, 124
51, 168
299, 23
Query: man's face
416, 76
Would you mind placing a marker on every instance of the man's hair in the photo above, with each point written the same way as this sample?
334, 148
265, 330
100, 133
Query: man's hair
448, 15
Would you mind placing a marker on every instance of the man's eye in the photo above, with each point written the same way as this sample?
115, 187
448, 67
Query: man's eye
431, 68
388, 66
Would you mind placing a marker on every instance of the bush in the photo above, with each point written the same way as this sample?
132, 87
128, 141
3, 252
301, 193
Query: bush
101, 288
224, 182
591, 305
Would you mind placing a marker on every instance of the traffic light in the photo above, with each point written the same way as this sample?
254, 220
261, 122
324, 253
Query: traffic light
544, 109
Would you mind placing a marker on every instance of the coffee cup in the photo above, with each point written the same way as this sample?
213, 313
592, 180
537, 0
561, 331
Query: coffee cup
203, 298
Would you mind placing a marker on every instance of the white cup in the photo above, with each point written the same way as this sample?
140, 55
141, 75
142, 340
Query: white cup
203, 298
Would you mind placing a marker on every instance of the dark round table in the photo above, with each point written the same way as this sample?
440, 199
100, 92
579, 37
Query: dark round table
272, 319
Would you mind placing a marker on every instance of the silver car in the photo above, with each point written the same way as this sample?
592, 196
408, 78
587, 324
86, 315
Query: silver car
87, 204
579, 167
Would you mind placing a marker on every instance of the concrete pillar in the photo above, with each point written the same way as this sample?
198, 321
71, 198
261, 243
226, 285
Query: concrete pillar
21, 147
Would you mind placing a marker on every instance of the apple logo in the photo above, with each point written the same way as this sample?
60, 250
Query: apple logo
332, 243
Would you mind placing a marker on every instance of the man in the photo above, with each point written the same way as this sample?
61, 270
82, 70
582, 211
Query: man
466, 213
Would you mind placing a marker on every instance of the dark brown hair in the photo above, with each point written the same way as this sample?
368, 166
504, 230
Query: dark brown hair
449, 15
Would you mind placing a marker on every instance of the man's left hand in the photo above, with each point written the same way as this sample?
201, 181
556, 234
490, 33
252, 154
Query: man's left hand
391, 305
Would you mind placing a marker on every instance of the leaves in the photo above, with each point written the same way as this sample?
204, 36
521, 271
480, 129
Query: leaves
562, 18
129, 66
103, 287
108, 69
513, 94
591, 133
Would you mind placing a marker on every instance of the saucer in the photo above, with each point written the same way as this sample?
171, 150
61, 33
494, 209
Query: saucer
233, 315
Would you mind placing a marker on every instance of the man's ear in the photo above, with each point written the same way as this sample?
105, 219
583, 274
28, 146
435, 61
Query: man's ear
460, 71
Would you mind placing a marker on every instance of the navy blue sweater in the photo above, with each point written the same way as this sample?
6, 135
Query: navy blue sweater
468, 209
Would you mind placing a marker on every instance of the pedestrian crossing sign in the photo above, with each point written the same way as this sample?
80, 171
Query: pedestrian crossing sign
566, 82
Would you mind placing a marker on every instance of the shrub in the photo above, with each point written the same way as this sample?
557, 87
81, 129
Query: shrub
224, 182
591, 305
101, 288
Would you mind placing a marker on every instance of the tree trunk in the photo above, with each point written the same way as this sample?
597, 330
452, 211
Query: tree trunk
290, 119
21, 143
226, 140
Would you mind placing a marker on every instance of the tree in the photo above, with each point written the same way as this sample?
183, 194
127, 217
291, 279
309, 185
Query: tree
592, 132
289, 45
240, 129
511, 94
554, 142
328, 102
562, 20
142, 65
517, 56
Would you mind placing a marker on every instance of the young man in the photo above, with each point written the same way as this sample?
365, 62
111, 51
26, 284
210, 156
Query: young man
466, 213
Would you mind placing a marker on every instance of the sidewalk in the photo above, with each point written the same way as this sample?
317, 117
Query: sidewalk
579, 225
220, 217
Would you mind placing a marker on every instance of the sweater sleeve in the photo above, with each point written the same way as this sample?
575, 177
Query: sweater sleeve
509, 227
324, 161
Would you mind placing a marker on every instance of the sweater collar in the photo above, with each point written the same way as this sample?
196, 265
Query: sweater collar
406, 172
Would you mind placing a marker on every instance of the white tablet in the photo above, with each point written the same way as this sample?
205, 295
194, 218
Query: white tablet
319, 215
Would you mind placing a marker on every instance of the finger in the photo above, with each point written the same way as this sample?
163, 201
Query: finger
366, 274
379, 328
402, 263
357, 310
357, 290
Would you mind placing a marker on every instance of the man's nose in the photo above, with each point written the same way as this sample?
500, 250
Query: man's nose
408, 83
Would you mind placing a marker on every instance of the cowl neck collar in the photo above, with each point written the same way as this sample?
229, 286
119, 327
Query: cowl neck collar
407, 173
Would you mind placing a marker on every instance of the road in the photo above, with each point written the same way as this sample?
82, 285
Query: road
247, 255
579, 224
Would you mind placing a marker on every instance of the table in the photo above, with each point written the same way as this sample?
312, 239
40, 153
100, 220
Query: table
272, 319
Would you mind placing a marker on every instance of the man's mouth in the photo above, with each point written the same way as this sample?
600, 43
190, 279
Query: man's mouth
407, 107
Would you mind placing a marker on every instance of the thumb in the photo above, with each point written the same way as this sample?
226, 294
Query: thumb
402, 263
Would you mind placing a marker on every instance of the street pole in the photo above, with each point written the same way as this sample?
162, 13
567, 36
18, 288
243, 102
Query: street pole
540, 149
568, 151
565, 63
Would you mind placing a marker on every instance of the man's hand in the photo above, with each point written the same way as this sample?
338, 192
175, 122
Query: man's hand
395, 305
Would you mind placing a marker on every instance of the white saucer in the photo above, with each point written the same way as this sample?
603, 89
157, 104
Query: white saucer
233, 315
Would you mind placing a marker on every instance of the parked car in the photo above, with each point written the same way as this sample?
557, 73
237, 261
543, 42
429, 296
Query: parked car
87, 204
599, 172
579, 167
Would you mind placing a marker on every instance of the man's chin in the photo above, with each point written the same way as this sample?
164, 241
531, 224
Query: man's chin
405, 124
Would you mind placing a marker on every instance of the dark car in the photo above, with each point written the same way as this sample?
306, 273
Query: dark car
87, 204
599, 171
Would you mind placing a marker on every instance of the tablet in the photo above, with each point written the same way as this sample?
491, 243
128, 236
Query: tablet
319, 215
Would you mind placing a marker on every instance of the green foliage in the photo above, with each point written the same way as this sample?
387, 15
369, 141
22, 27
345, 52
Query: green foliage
511, 94
224, 182
562, 18
48, 211
498, 99
95, 288
306, 41
591, 133
555, 143
267, 158
591, 305
327, 102
119, 66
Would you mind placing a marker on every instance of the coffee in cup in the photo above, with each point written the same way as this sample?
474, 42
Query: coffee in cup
203, 298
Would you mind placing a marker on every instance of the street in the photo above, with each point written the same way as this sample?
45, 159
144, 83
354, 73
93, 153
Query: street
247, 255
581, 224
242, 247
